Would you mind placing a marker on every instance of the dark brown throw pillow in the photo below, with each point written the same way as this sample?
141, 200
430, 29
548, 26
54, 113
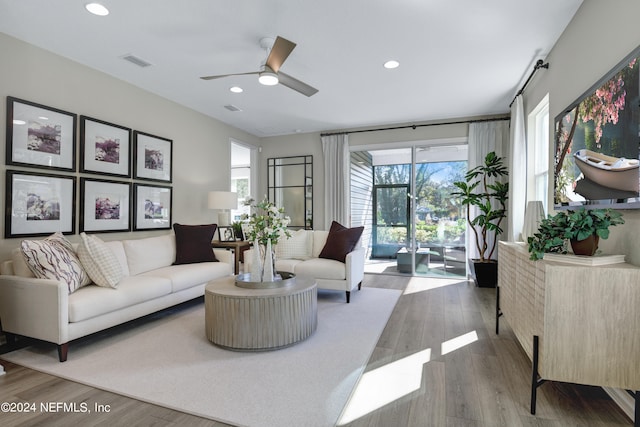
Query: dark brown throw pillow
193, 243
340, 241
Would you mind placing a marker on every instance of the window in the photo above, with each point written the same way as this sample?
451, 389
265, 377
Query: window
240, 177
538, 153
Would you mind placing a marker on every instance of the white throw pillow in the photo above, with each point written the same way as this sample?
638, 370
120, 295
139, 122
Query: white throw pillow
99, 261
54, 258
298, 246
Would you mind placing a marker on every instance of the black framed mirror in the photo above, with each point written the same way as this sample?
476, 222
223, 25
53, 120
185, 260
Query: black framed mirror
290, 185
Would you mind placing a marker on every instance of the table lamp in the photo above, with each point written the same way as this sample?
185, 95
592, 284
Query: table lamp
223, 201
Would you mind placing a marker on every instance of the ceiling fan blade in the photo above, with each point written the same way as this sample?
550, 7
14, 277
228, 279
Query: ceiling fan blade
295, 84
279, 52
228, 75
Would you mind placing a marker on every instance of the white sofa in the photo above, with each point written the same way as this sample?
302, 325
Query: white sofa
44, 309
300, 255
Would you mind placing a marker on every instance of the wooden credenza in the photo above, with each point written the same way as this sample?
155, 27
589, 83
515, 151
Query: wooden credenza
586, 319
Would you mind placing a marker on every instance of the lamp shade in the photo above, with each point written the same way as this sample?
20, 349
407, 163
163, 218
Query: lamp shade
223, 200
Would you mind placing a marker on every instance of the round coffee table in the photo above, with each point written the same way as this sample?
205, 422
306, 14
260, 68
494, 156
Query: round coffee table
259, 319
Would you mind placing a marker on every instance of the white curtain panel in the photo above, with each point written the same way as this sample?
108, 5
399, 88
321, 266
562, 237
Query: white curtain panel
517, 171
485, 137
335, 149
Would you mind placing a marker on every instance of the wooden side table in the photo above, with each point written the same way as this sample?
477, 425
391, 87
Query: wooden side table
259, 319
238, 247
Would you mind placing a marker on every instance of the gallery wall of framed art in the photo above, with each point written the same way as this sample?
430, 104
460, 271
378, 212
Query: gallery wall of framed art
112, 158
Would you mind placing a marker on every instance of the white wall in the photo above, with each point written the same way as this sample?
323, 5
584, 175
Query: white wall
201, 149
600, 35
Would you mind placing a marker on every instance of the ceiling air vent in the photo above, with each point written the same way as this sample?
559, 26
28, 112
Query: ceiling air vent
231, 107
135, 60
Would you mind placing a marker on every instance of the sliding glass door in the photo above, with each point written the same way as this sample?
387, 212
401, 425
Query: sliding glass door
439, 220
390, 219
416, 225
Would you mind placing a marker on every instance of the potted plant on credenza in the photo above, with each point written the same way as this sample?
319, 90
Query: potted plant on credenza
583, 228
483, 189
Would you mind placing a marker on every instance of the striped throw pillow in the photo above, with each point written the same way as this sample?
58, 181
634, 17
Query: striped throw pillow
54, 258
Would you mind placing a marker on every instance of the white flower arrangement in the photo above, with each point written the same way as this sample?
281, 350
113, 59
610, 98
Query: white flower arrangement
266, 223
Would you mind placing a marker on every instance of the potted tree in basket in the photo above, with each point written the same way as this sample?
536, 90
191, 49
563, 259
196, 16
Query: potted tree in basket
582, 228
490, 199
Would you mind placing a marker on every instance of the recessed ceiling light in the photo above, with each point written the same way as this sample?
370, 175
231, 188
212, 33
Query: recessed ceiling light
19, 122
391, 64
236, 89
97, 9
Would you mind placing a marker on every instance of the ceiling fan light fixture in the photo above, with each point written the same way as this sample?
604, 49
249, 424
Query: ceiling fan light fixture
268, 77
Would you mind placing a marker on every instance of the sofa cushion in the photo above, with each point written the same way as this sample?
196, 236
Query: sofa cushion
193, 243
92, 301
288, 265
54, 258
319, 239
298, 246
19, 264
150, 253
321, 268
188, 275
99, 261
117, 248
340, 241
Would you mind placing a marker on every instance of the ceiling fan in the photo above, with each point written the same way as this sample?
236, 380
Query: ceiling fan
270, 74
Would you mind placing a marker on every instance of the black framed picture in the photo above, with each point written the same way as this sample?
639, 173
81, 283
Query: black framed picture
40, 136
225, 234
38, 204
105, 205
105, 148
152, 207
153, 157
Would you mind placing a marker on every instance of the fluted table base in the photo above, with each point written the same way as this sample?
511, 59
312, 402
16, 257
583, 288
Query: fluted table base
259, 319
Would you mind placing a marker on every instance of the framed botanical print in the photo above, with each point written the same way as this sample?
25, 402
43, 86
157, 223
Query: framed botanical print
105, 205
39, 204
40, 136
152, 157
152, 208
105, 148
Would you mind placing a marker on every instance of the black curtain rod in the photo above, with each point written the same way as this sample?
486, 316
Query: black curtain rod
418, 126
539, 64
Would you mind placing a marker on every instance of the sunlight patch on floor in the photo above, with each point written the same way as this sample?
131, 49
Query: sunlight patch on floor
385, 384
388, 383
378, 267
458, 342
421, 284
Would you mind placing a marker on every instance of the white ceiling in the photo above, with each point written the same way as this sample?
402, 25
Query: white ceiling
458, 58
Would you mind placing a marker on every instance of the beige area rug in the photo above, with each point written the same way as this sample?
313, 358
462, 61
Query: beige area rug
167, 360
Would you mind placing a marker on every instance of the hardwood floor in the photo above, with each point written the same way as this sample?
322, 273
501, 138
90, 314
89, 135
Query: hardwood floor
442, 329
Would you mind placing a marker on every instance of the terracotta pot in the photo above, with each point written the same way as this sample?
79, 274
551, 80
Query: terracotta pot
587, 246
